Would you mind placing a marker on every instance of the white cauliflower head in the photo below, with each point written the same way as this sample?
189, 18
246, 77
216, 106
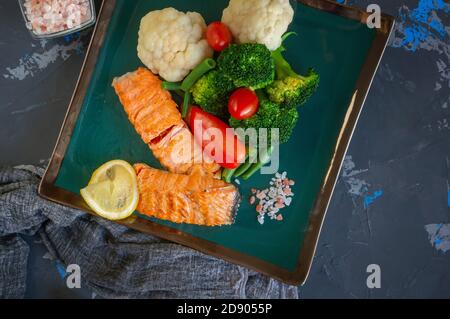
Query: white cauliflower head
172, 43
258, 21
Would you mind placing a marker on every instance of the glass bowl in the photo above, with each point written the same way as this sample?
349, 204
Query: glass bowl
86, 24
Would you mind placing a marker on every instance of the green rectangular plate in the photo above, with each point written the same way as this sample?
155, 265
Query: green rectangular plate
331, 38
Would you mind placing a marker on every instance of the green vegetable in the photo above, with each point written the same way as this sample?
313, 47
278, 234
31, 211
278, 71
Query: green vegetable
290, 89
227, 174
270, 115
248, 65
180, 93
186, 104
263, 160
211, 93
184, 89
286, 120
249, 160
171, 86
197, 73
243, 168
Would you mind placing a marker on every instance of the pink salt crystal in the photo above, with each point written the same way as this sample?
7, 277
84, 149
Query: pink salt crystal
50, 16
274, 198
261, 195
280, 205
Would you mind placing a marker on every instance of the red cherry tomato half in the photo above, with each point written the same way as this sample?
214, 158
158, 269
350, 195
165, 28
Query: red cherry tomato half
243, 103
227, 151
219, 36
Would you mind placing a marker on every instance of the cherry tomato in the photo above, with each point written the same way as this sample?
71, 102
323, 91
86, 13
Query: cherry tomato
243, 103
225, 148
219, 36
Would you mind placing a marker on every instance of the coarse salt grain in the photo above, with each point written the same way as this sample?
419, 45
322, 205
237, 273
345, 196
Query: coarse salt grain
50, 16
288, 201
274, 198
261, 219
261, 195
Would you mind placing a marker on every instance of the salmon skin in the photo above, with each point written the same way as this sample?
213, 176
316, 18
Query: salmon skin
156, 118
197, 198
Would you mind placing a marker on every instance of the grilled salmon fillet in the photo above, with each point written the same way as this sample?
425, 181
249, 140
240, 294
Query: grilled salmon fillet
197, 198
155, 116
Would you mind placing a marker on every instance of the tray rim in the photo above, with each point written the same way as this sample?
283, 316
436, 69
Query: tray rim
298, 276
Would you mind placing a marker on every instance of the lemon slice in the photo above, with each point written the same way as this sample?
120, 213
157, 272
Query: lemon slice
112, 191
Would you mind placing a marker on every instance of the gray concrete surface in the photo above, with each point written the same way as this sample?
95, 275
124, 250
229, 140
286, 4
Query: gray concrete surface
391, 204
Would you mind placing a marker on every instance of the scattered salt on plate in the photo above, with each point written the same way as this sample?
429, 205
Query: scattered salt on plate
271, 200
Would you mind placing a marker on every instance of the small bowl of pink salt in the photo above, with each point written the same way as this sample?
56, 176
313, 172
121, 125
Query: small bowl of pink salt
53, 18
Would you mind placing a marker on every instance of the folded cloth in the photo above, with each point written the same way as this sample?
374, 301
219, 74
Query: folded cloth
115, 261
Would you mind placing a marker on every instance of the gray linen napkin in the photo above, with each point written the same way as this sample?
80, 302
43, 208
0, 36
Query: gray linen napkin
115, 261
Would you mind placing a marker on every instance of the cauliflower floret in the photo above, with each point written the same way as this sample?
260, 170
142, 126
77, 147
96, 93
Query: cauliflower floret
172, 43
258, 21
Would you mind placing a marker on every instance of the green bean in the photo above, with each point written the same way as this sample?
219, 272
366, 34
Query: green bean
247, 163
186, 104
180, 93
171, 86
197, 73
252, 170
227, 174
264, 159
242, 169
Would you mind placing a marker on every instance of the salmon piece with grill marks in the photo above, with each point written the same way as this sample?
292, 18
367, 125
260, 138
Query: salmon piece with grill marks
156, 118
192, 199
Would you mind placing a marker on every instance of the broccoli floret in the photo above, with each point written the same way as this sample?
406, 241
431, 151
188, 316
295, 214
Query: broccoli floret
286, 122
211, 93
262, 119
248, 65
291, 89
270, 115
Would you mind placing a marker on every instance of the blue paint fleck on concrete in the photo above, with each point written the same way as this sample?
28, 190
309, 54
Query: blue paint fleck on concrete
369, 200
423, 14
61, 269
423, 23
439, 236
448, 198
70, 37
